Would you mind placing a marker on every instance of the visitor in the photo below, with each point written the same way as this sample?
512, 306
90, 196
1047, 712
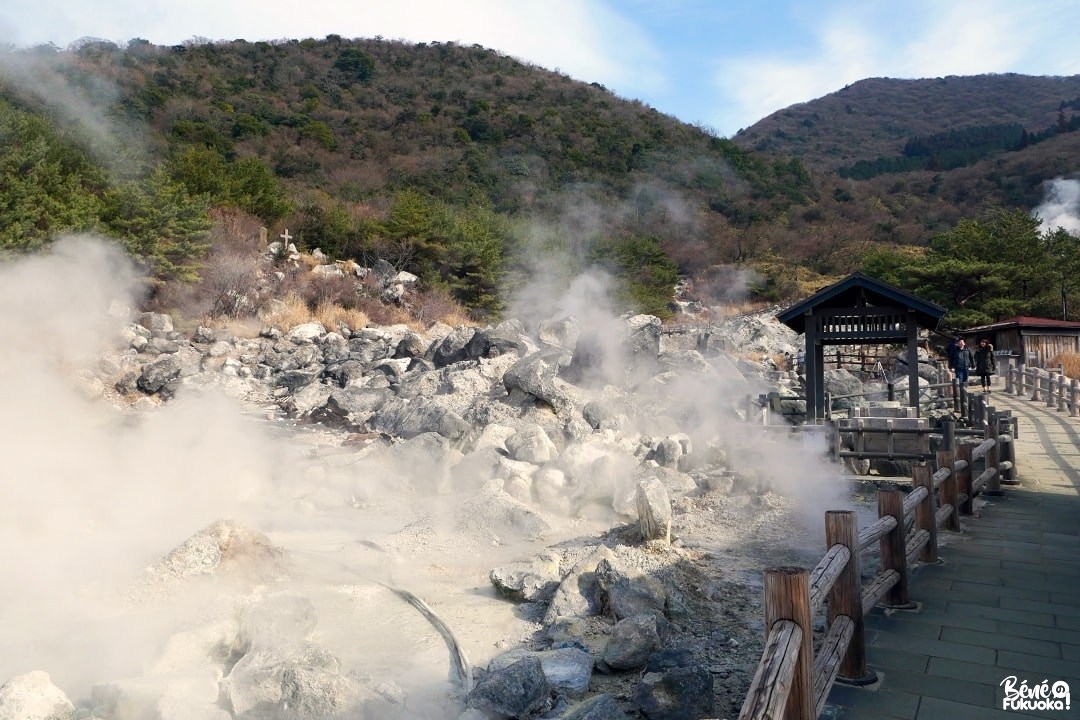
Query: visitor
963, 362
985, 364
951, 352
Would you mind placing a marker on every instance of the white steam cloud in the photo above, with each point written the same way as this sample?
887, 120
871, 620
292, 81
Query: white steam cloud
91, 496
1061, 208
47, 80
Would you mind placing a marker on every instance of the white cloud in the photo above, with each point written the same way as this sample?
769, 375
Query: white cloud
966, 39
925, 39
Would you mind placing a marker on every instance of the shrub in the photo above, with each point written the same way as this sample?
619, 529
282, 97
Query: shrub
1068, 360
436, 305
331, 289
228, 284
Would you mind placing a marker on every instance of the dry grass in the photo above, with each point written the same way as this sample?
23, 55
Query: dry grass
333, 317
290, 312
294, 310
1069, 361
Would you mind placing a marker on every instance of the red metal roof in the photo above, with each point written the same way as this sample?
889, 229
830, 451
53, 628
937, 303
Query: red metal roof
1029, 322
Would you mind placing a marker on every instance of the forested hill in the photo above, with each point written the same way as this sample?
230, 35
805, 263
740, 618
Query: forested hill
372, 146
463, 165
881, 117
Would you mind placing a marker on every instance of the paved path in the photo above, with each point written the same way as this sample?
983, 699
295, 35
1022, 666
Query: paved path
1005, 603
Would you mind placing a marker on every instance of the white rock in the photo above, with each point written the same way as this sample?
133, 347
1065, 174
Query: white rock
306, 332
34, 697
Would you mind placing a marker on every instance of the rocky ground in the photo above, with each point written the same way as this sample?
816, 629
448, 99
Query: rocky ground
559, 520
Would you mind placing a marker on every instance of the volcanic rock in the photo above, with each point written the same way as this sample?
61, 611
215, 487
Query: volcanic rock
33, 696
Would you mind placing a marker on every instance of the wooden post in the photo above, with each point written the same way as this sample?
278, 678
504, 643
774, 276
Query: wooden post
963, 477
947, 492
1063, 400
1036, 390
1009, 380
815, 371
1051, 382
1074, 392
833, 430
948, 435
912, 326
955, 390
1008, 450
923, 476
893, 548
993, 455
787, 597
845, 597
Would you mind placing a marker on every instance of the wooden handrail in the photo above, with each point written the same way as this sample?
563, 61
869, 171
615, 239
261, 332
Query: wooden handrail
771, 686
875, 530
827, 662
942, 474
792, 681
1060, 393
984, 477
943, 514
824, 574
875, 590
915, 545
913, 499
982, 448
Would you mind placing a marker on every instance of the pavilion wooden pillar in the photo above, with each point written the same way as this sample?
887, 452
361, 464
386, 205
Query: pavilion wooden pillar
912, 327
815, 373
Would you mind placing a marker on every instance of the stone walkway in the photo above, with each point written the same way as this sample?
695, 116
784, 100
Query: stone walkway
1005, 603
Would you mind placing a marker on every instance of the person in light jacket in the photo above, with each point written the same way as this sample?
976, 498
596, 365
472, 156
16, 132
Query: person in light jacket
985, 363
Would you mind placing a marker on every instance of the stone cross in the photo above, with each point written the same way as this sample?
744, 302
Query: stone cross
286, 237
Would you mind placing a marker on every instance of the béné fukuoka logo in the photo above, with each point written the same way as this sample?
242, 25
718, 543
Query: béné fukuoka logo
1041, 696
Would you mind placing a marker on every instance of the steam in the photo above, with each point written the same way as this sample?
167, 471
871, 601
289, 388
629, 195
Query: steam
91, 496
45, 79
1061, 207
703, 405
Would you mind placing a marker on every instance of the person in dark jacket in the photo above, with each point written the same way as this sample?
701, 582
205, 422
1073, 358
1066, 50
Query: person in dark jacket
963, 361
985, 363
951, 351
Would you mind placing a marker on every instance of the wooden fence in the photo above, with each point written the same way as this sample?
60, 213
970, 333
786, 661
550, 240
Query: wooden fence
1049, 386
979, 419
794, 678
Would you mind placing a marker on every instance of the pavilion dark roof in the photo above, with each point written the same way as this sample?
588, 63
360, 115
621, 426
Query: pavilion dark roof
857, 290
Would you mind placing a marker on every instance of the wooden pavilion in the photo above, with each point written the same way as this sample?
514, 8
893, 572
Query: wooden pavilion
859, 310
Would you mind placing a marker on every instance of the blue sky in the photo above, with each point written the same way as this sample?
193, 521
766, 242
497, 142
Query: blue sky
723, 64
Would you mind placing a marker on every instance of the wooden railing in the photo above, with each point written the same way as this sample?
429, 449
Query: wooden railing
793, 680
1049, 386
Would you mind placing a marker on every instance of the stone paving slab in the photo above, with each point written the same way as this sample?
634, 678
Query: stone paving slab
1006, 602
